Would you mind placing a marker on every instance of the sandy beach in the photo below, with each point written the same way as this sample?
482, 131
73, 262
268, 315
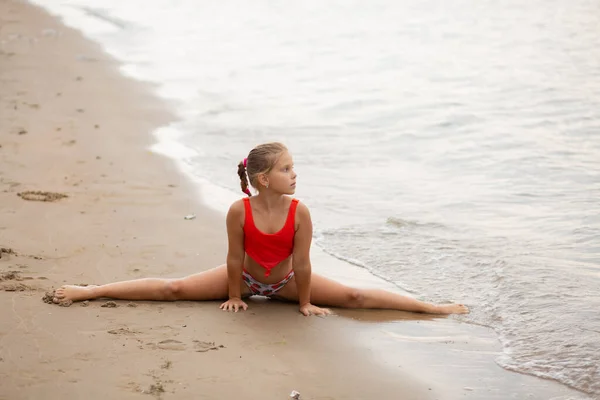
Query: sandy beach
83, 200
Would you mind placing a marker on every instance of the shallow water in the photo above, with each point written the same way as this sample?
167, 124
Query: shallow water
450, 148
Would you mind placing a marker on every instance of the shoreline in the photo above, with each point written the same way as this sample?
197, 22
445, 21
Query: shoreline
124, 217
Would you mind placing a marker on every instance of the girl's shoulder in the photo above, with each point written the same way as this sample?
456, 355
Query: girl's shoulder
236, 208
302, 211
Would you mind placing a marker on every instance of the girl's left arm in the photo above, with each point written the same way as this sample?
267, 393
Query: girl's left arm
301, 254
301, 261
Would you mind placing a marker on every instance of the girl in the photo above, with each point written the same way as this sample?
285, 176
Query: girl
269, 237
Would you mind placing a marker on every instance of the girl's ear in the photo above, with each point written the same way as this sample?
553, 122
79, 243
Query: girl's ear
263, 180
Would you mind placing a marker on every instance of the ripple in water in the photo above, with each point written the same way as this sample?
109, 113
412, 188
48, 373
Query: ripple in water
546, 317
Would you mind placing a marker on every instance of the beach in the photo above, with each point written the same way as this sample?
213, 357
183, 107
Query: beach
75, 129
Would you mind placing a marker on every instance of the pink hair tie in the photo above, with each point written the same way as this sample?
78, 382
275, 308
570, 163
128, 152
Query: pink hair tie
247, 191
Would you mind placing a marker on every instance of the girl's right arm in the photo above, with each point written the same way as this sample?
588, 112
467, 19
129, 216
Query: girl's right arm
235, 256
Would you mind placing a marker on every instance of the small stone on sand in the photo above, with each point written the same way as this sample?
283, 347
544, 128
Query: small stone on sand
109, 304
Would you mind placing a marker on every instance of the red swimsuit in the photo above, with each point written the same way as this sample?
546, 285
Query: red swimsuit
268, 250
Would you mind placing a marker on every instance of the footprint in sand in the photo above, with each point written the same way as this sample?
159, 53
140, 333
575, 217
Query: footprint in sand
6, 252
171, 344
16, 287
11, 286
201, 347
41, 196
10, 276
123, 331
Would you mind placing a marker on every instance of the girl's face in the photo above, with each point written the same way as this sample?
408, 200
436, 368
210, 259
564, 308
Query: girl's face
282, 177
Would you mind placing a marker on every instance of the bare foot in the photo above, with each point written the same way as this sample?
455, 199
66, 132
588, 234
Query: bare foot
73, 293
451, 309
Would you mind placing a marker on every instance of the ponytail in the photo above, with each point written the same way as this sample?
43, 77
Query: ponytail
243, 179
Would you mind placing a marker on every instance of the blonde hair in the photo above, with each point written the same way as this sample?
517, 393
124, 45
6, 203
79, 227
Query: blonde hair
261, 160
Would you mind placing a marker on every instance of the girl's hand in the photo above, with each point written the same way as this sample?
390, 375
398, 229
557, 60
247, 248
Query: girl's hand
234, 304
309, 309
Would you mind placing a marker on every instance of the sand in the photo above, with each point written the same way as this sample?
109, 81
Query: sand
83, 200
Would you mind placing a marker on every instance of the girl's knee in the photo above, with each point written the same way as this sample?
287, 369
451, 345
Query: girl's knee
356, 298
173, 289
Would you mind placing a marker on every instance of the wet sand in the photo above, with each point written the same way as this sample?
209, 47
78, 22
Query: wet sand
83, 200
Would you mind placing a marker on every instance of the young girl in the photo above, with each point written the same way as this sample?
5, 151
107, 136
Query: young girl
269, 239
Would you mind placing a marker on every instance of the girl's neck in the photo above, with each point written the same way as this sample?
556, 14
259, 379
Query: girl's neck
268, 200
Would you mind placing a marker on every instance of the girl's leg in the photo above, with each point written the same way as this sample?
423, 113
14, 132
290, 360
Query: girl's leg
207, 285
329, 293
